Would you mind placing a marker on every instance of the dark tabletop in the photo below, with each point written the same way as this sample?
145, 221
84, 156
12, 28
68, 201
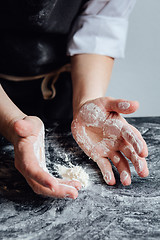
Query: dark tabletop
99, 212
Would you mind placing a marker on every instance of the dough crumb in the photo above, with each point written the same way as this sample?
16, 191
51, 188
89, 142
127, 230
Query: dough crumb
74, 173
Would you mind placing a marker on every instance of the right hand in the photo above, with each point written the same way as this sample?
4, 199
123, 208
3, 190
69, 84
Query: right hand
103, 134
28, 147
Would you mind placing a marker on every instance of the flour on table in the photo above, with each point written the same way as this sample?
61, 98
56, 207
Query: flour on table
74, 173
71, 173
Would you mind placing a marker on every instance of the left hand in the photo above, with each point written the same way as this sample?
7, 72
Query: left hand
103, 133
30, 161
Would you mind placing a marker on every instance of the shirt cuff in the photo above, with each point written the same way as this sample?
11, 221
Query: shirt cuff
98, 35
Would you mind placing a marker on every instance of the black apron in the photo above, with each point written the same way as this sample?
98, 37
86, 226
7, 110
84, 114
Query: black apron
33, 41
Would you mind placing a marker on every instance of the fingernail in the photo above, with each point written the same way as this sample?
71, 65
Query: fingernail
116, 159
52, 189
73, 197
107, 177
70, 196
78, 188
123, 105
123, 176
67, 196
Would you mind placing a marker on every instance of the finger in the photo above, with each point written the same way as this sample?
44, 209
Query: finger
144, 152
32, 170
121, 105
122, 166
62, 190
139, 163
74, 183
28, 165
106, 169
135, 139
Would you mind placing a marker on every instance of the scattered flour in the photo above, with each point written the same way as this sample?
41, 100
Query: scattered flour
67, 173
74, 173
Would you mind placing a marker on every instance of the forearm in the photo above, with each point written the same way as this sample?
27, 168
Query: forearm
9, 113
90, 76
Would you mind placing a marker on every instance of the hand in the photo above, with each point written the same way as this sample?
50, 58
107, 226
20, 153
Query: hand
103, 133
30, 161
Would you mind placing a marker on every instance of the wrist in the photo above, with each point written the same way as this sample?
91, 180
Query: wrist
9, 113
90, 77
10, 133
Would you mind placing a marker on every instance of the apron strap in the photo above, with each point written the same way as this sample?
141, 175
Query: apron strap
52, 76
50, 93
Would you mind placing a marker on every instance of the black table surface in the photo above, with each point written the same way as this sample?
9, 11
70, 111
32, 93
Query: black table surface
99, 212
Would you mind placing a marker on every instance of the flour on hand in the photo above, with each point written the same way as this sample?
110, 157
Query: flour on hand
39, 149
71, 173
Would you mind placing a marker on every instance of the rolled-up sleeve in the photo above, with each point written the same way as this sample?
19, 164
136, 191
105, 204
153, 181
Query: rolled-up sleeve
101, 28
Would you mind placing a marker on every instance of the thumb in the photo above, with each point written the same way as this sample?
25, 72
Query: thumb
121, 106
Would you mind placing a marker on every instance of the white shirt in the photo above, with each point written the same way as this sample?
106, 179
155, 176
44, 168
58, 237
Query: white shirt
101, 28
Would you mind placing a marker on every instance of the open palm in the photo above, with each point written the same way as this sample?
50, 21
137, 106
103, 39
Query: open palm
103, 133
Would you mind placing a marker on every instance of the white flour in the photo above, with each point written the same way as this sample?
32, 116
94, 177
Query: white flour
92, 115
74, 173
71, 173
39, 149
